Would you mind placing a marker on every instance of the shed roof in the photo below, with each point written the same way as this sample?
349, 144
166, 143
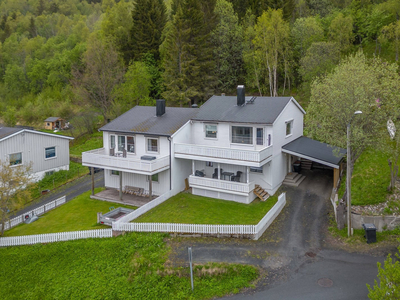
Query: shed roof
53, 119
143, 119
262, 110
316, 151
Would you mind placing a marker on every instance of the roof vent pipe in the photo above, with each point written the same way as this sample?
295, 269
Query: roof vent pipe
195, 106
160, 107
240, 95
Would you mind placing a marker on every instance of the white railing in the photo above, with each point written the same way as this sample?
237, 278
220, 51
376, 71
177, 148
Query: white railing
227, 186
224, 153
255, 230
54, 237
100, 158
37, 211
145, 208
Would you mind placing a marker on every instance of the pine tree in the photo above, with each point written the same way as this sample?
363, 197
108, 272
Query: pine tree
149, 19
32, 28
40, 8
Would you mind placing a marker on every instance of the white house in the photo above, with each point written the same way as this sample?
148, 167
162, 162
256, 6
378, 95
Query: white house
235, 145
47, 152
137, 149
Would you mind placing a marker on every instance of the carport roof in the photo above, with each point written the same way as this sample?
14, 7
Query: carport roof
307, 148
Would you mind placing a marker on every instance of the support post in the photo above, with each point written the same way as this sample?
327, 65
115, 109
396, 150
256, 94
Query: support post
247, 174
335, 177
92, 174
348, 179
150, 186
192, 167
120, 185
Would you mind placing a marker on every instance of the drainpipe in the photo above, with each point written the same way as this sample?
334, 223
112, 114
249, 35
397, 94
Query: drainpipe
170, 164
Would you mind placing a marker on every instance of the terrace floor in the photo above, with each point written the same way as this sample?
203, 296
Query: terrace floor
112, 195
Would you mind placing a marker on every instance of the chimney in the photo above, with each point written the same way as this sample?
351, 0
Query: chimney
160, 107
240, 95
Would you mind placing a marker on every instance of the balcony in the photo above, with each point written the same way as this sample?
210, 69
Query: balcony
99, 158
252, 158
221, 185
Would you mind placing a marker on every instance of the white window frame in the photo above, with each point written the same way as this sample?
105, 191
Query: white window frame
205, 131
116, 138
14, 165
250, 138
256, 170
289, 122
134, 144
158, 178
112, 172
262, 136
52, 157
147, 145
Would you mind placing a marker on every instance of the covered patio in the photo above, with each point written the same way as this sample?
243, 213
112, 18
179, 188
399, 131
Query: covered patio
112, 195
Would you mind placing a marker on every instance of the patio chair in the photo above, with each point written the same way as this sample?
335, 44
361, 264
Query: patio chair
236, 178
215, 174
199, 173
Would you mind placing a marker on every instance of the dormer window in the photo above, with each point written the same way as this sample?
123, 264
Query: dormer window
211, 131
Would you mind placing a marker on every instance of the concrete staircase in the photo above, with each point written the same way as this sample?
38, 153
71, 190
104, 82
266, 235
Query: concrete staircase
261, 193
293, 179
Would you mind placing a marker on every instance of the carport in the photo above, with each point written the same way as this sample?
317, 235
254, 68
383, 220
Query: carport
321, 153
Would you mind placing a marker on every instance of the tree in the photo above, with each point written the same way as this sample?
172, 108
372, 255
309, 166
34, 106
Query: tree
353, 85
389, 280
392, 32
271, 40
227, 40
13, 180
103, 70
306, 31
341, 31
149, 19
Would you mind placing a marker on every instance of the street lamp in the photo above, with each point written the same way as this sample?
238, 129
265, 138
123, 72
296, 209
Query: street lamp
358, 112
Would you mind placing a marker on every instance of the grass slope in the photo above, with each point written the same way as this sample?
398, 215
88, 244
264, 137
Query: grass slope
77, 214
190, 209
86, 143
126, 267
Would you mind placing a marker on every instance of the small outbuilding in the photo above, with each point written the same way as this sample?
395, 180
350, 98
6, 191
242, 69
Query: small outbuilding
53, 123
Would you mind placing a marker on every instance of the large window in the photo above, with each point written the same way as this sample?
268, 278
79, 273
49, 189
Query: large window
256, 169
50, 152
131, 144
154, 178
121, 143
211, 131
242, 135
112, 142
152, 145
124, 143
260, 136
15, 159
289, 127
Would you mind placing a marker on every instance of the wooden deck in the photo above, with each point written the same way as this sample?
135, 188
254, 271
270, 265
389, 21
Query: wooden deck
112, 195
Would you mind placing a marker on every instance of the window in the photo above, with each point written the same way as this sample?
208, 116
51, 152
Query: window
260, 136
289, 126
131, 144
15, 159
48, 173
211, 131
209, 163
112, 142
50, 152
154, 177
113, 172
242, 135
121, 143
152, 145
269, 140
256, 169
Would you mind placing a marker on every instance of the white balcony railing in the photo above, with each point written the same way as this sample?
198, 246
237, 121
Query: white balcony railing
224, 153
223, 185
100, 158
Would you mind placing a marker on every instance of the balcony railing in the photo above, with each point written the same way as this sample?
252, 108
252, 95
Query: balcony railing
224, 153
222, 185
100, 158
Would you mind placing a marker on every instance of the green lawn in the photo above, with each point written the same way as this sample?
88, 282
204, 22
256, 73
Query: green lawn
186, 208
131, 266
371, 177
86, 143
77, 214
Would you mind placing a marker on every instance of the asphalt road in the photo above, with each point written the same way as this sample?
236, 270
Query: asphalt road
71, 190
294, 254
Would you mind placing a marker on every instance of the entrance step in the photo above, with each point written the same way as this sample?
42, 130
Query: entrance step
261, 193
293, 179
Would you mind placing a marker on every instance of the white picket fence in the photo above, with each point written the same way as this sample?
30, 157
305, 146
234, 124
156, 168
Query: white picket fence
255, 230
38, 211
54, 237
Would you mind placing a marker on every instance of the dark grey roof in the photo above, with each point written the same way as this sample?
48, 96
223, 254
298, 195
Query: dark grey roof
313, 149
6, 131
52, 119
143, 119
263, 110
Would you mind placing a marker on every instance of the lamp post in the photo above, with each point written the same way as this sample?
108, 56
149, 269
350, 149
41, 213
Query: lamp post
348, 176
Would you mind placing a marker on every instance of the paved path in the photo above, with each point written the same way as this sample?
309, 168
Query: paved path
71, 190
293, 251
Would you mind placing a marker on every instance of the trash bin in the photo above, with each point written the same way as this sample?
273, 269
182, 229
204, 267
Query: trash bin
370, 232
296, 166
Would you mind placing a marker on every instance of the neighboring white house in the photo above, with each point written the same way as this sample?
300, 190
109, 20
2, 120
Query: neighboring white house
47, 152
137, 149
235, 145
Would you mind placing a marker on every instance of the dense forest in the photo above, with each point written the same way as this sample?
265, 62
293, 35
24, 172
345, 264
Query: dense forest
90, 60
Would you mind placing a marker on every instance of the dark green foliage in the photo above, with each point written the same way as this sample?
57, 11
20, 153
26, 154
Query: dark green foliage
40, 8
149, 19
127, 267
